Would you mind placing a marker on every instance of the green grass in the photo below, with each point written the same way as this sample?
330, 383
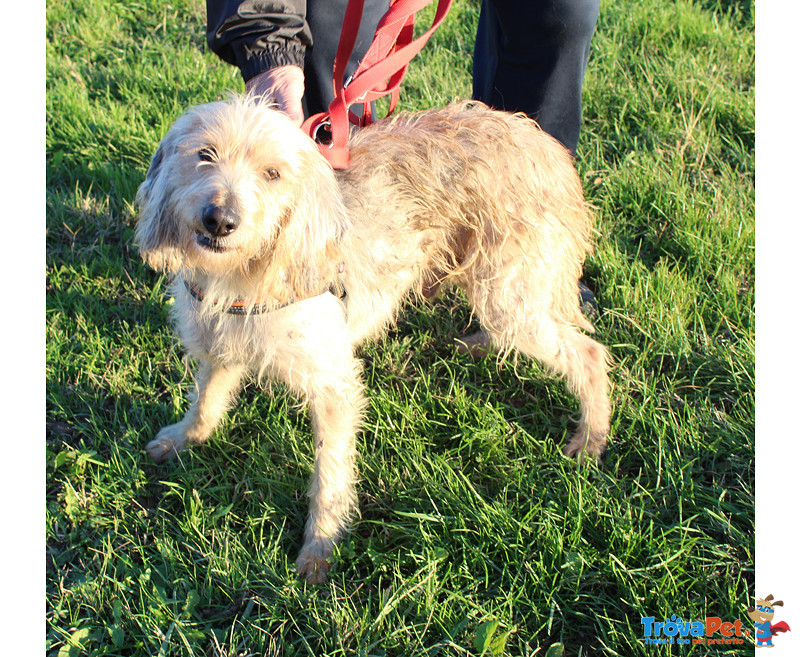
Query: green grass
475, 535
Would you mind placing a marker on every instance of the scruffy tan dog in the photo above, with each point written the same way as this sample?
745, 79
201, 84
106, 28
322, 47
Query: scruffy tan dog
282, 267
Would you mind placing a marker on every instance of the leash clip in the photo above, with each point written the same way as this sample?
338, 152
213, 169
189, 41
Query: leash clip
326, 126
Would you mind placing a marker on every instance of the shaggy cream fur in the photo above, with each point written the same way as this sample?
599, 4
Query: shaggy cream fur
243, 210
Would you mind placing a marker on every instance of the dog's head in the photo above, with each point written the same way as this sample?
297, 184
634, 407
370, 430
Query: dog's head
764, 611
235, 189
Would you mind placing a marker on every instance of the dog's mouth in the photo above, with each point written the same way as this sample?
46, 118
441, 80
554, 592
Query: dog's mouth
209, 243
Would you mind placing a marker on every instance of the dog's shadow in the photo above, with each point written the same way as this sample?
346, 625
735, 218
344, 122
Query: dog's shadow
434, 416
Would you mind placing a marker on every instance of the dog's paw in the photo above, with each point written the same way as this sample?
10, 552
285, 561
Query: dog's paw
312, 563
313, 568
581, 446
478, 345
166, 445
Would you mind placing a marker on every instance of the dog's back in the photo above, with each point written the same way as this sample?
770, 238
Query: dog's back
471, 194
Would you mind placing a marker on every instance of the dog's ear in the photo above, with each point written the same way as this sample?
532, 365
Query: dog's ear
156, 226
307, 254
320, 206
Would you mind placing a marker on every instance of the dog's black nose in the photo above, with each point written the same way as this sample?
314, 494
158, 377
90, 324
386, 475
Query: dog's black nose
219, 220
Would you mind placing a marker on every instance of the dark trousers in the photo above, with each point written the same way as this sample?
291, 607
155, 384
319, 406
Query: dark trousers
325, 20
530, 56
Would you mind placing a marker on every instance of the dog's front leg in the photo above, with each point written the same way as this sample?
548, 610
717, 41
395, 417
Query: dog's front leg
335, 414
216, 387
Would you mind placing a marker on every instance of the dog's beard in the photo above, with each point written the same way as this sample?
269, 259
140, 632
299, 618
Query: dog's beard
219, 257
239, 265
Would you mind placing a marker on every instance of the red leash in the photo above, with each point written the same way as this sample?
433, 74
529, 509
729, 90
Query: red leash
379, 73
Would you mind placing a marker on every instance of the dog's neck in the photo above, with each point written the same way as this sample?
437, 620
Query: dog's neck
219, 299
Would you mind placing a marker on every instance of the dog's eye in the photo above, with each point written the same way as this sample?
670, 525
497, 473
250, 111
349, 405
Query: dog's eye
207, 154
272, 175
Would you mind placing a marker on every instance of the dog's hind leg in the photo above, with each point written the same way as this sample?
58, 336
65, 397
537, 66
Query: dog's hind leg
539, 333
217, 386
335, 414
584, 363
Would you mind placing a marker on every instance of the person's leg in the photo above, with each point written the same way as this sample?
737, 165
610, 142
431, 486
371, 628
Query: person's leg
325, 18
531, 57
